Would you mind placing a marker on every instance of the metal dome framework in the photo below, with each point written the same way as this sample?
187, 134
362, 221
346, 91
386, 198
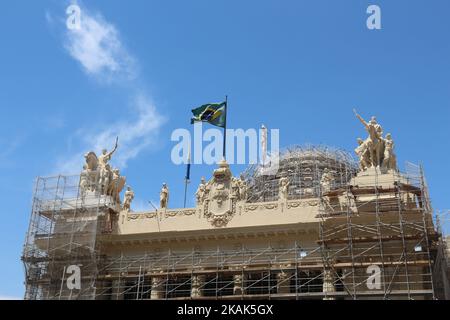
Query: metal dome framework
304, 167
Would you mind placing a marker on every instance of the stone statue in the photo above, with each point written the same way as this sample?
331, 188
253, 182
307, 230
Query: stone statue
84, 181
91, 160
164, 197
283, 188
201, 192
390, 159
116, 185
105, 177
90, 171
242, 184
327, 180
97, 176
363, 153
235, 188
106, 156
128, 198
375, 142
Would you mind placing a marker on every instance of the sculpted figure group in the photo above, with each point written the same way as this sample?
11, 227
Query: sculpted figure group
98, 176
375, 151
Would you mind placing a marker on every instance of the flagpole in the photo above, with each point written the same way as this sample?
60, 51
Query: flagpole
225, 129
187, 178
185, 191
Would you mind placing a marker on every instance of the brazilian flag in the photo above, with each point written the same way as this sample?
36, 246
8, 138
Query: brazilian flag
213, 113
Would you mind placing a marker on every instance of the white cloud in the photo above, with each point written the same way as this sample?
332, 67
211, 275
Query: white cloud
96, 45
134, 135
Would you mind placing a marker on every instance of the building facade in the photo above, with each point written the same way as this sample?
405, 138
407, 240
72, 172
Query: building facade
322, 227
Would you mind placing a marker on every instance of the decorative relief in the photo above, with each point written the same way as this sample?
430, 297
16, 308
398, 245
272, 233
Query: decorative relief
139, 216
275, 206
262, 206
175, 213
302, 204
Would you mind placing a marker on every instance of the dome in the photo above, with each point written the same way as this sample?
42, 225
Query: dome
303, 166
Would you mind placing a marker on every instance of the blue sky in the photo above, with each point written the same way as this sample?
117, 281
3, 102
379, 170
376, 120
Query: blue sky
297, 65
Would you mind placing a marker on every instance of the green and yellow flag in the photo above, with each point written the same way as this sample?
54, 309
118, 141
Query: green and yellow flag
213, 113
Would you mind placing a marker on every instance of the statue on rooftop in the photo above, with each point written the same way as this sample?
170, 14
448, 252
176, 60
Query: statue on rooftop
390, 159
105, 176
242, 185
363, 153
84, 181
283, 188
201, 192
327, 180
128, 198
90, 173
116, 185
106, 156
99, 177
375, 141
164, 197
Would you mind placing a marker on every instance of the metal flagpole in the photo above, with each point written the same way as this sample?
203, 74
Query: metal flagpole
188, 177
225, 129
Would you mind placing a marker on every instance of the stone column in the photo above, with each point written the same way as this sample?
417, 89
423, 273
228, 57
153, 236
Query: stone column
238, 289
197, 286
283, 282
157, 288
328, 284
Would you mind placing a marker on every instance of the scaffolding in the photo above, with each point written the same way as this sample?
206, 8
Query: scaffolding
215, 274
304, 167
62, 235
383, 230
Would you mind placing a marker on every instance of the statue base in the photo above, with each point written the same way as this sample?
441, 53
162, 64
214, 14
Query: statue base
376, 176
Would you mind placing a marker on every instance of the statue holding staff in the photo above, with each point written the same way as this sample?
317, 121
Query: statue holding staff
375, 142
106, 156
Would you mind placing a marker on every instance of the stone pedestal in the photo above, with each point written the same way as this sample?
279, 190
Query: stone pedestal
378, 177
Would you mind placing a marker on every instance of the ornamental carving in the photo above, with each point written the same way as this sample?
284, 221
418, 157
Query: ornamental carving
138, 216
220, 202
178, 213
263, 206
302, 204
